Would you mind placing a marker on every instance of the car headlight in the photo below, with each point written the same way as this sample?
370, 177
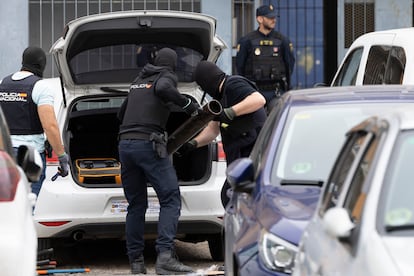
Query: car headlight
276, 253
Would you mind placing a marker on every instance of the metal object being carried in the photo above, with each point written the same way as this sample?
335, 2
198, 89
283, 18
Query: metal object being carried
193, 125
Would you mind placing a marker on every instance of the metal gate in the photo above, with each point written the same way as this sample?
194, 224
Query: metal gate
47, 18
303, 22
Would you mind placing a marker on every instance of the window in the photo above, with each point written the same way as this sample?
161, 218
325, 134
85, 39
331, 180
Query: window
397, 204
244, 19
122, 63
342, 169
376, 64
359, 19
395, 67
355, 197
349, 70
385, 65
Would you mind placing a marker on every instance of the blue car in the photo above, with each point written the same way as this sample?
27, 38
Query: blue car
276, 190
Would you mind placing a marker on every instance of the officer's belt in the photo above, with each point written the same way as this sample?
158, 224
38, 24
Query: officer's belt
134, 136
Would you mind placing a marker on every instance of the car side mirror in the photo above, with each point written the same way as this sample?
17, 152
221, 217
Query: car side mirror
30, 161
240, 175
338, 223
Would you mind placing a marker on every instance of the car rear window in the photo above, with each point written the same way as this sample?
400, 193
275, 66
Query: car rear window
122, 63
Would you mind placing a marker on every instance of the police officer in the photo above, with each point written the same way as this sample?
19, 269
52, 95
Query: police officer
266, 57
144, 159
241, 120
28, 105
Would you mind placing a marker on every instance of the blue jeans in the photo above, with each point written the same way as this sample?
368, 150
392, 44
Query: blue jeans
141, 165
37, 185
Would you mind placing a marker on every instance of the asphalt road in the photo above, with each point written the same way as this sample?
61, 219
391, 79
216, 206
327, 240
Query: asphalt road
108, 257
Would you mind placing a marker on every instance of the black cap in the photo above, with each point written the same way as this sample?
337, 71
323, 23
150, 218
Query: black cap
34, 60
266, 10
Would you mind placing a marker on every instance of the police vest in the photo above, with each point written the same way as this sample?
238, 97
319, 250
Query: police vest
265, 64
18, 107
145, 112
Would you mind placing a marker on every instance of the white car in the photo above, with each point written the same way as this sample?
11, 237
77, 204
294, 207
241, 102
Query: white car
382, 57
98, 57
18, 241
364, 223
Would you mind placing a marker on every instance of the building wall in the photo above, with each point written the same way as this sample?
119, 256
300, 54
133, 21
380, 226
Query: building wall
224, 29
388, 14
393, 14
14, 17
13, 34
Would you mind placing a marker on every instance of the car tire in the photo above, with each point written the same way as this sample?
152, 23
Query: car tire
215, 244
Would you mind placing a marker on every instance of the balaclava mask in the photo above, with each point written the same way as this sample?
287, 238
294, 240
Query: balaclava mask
34, 60
166, 57
209, 76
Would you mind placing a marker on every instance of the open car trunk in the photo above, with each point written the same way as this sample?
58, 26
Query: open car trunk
92, 134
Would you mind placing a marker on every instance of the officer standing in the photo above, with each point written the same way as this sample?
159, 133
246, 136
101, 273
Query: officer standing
266, 57
28, 105
144, 159
241, 120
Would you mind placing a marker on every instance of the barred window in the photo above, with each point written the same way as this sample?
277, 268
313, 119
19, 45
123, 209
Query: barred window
359, 19
47, 18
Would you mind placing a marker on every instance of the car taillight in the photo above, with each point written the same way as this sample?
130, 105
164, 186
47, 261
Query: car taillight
52, 160
54, 223
9, 177
221, 156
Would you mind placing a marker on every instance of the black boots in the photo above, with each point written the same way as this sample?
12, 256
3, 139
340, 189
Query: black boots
138, 266
168, 264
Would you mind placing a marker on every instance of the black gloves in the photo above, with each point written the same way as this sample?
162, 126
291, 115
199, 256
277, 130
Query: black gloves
187, 147
192, 109
227, 115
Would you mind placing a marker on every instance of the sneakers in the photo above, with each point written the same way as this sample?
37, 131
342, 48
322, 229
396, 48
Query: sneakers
138, 266
168, 264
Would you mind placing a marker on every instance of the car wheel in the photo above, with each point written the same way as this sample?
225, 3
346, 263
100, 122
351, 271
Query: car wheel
215, 244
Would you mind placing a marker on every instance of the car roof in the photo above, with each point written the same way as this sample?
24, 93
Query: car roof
399, 32
404, 115
372, 93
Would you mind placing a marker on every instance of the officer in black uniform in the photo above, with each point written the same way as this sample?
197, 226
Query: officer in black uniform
144, 159
241, 120
266, 57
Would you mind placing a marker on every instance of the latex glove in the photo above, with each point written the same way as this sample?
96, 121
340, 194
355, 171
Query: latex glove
63, 165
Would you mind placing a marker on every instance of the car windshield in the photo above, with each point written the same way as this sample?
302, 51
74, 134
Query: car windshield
313, 137
398, 191
122, 63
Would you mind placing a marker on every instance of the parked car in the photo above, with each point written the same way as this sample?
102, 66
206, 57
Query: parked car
277, 188
364, 220
98, 57
382, 57
18, 240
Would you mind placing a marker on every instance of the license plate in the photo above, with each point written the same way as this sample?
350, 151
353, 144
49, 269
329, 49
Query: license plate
119, 206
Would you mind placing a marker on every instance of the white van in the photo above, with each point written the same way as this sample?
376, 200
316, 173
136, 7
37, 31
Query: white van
382, 57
